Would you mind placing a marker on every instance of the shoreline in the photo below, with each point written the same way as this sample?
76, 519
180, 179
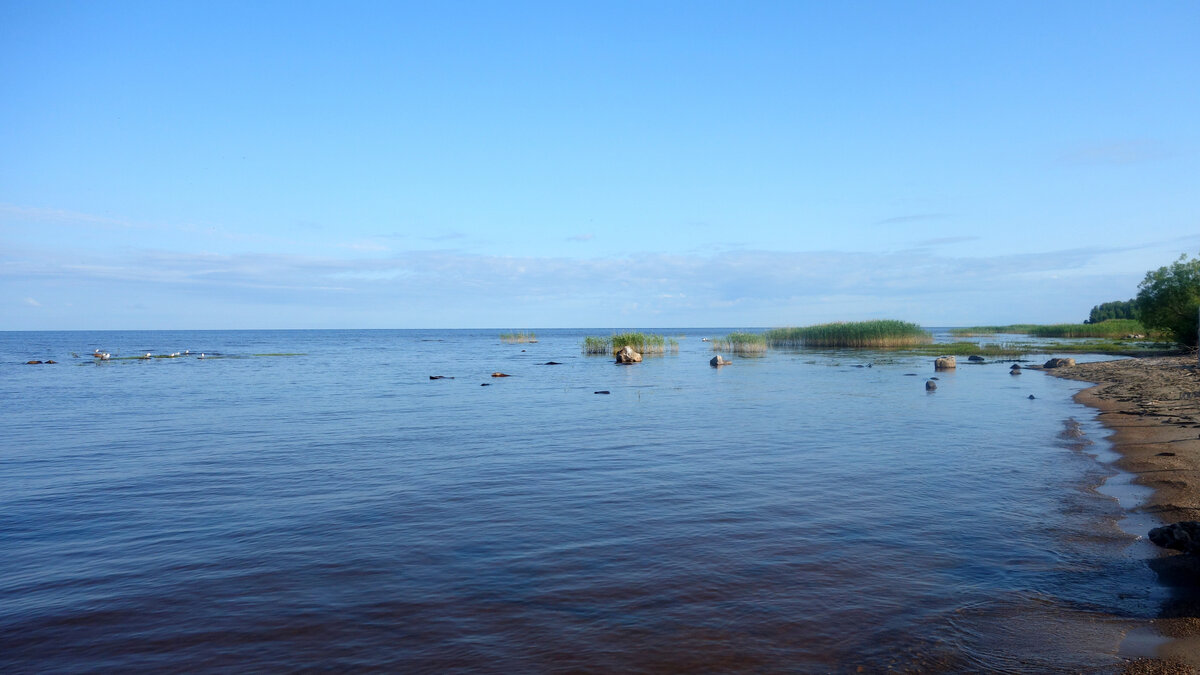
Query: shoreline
1152, 407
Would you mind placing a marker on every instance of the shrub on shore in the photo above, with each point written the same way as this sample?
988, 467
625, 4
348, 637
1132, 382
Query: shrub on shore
880, 334
1168, 299
745, 344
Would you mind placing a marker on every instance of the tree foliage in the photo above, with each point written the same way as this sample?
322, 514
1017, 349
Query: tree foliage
1168, 299
1117, 309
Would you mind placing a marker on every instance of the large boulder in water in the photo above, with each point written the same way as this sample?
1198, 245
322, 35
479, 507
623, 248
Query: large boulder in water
718, 360
1059, 363
627, 355
1184, 536
944, 363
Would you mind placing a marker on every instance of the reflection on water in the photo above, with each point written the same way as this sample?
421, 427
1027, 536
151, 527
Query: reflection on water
339, 509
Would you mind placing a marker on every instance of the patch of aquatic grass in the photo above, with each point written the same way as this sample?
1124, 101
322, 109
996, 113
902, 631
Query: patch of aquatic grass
881, 334
744, 344
995, 350
518, 337
1111, 347
642, 343
597, 345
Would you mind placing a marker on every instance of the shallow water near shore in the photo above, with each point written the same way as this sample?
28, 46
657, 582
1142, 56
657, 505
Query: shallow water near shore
313, 499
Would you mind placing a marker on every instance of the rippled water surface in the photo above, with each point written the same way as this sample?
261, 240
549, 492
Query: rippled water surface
336, 508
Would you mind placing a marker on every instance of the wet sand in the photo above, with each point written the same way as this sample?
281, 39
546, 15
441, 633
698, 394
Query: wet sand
1153, 407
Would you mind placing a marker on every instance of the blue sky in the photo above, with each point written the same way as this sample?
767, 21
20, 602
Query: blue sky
621, 164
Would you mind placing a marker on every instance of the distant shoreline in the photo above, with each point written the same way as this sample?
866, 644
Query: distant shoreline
1152, 406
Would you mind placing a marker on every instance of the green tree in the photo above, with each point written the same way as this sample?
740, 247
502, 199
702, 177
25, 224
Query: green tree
1168, 299
1117, 309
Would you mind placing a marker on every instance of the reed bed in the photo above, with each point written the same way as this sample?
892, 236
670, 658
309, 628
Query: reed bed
1113, 328
745, 344
519, 337
1011, 329
882, 334
642, 343
597, 345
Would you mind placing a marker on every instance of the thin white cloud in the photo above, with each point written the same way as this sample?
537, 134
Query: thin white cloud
912, 218
32, 303
943, 241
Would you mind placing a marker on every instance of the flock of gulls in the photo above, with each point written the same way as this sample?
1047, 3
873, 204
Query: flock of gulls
104, 356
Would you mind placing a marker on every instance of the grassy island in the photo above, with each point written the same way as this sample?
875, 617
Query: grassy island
520, 337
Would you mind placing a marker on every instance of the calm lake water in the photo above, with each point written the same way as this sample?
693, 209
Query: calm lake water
338, 509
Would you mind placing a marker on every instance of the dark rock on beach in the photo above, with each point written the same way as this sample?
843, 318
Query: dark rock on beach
1183, 536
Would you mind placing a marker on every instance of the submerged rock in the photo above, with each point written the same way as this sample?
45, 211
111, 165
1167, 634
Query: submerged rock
605, 391
501, 375
1183, 536
944, 363
627, 355
552, 363
930, 385
1015, 370
1059, 363
975, 358
718, 360
440, 377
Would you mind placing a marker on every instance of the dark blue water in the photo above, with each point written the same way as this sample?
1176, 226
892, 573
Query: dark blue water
337, 509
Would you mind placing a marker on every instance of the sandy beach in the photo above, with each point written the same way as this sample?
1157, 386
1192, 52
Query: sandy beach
1152, 405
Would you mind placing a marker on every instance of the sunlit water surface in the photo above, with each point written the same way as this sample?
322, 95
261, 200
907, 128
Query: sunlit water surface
339, 509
